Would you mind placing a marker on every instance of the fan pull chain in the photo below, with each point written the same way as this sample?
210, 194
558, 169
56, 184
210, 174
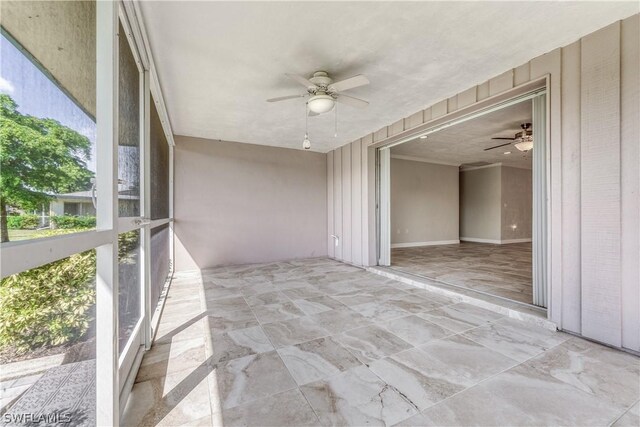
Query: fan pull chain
306, 144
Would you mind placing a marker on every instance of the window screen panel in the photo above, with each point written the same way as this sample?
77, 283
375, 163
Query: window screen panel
159, 167
128, 130
160, 262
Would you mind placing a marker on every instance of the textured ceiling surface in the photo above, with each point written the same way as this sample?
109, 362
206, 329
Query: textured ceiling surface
464, 143
219, 61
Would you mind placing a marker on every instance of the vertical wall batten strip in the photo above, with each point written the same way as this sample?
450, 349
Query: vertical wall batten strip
521, 74
371, 206
346, 203
368, 202
331, 244
356, 203
571, 285
600, 175
365, 199
630, 180
337, 201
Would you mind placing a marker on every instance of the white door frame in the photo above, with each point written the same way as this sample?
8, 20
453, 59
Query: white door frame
541, 181
384, 206
541, 191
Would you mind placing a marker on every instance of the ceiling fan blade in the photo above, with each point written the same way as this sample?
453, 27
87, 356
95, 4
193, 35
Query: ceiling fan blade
350, 83
497, 146
352, 101
510, 139
304, 82
284, 98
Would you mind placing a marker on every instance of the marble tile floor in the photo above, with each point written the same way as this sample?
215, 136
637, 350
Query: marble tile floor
501, 270
330, 344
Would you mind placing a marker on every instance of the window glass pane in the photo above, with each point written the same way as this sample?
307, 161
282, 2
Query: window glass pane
129, 298
128, 131
47, 323
47, 110
160, 263
159, 167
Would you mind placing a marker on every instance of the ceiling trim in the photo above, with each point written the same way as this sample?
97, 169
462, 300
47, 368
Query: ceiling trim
495, 165
472, 168
423, 160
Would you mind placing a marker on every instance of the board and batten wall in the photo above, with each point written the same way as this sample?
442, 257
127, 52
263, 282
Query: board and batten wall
239, 203
424, 203
594, 119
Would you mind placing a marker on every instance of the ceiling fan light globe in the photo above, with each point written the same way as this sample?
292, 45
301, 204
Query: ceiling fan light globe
524, 145
321, 103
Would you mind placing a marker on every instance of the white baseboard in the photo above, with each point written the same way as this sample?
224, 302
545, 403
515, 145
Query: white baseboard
432, 243
494, 241
516, 241
477, 240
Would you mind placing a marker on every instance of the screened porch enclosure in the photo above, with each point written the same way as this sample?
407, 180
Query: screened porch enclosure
82, 292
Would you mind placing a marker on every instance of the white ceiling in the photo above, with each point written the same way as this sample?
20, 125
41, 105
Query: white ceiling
219, 61
465, 143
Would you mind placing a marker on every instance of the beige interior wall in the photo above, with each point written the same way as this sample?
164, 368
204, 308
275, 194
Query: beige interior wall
242, 203
424, 203
433, 203
594, 187
480, 204
516, 210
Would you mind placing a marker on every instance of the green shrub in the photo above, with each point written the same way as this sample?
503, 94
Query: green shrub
72, 221
48, 305
23, 222
52, 305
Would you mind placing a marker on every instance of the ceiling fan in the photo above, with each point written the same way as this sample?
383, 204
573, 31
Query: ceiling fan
522, 140
323, 92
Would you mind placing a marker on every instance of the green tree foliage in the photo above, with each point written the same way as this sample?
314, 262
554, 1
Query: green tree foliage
38, 157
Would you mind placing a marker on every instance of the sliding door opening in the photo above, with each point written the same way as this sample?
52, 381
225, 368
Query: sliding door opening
465, 203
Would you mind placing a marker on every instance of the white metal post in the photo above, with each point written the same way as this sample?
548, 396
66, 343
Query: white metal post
107, 380
171, 208
145, 195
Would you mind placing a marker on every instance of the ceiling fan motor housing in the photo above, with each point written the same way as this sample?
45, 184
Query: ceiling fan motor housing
323, 92
322, 79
